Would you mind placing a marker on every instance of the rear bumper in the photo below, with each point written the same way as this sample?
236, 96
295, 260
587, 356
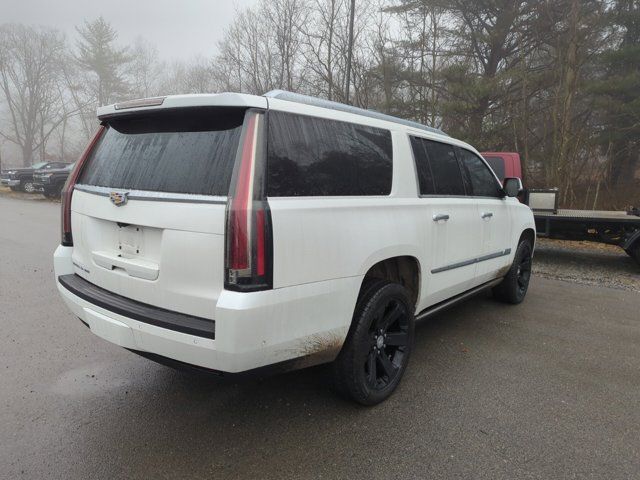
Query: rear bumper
307, 323
178, 322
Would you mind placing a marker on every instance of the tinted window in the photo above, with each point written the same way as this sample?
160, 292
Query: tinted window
178, 152
483, 183
423, 169
497, 165
444, 166
311, 156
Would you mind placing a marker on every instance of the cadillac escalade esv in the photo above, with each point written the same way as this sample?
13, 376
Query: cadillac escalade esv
232, 232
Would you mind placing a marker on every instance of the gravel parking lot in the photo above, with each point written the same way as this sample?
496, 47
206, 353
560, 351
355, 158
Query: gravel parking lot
547, 389
586, 263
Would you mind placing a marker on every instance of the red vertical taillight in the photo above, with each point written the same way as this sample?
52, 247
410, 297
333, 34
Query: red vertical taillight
248, 235
67, 190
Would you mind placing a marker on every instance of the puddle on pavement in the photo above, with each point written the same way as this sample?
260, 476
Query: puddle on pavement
89, 380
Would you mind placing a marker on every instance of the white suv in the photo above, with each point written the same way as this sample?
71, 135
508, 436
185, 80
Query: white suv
232, 232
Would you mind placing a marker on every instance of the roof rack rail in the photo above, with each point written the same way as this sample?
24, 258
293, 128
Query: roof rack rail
319, 102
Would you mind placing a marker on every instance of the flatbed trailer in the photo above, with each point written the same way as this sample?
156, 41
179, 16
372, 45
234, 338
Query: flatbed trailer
612, 227
621, 228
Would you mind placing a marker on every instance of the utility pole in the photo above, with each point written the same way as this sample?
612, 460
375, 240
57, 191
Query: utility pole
350, 51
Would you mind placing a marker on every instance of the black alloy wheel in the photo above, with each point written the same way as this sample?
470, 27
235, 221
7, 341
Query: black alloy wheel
389, 340
515, 283
523, 273
377, 349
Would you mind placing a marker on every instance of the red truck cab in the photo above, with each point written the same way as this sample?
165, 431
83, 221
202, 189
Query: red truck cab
504, 164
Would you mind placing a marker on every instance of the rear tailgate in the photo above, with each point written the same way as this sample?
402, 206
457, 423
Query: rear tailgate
148, 212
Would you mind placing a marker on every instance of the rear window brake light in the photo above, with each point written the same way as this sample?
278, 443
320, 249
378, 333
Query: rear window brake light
140, 102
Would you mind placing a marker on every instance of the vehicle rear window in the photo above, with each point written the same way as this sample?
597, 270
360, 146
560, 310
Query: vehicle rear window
184, 151
309, 156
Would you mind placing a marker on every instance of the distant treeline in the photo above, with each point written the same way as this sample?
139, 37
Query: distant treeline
557, 81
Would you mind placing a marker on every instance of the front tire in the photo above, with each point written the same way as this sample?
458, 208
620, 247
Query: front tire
515, 284
634, 251
376, 352
28, 187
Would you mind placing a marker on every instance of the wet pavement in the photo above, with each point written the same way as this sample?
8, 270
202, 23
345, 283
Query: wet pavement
547, 389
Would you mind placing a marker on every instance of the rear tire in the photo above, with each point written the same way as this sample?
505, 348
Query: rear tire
376, 352
634, 251
52, 193
515, 284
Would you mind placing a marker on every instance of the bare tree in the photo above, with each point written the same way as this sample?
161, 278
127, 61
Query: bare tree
319, 47
144, 69
261, 49
30, 76
286, 17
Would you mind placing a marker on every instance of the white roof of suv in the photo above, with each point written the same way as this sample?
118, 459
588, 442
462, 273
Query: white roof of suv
281, 100
246, 100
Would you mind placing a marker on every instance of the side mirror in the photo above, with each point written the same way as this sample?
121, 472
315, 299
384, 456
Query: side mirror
512, 186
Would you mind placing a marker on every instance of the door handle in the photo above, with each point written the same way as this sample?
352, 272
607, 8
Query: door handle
487, 214
440, 216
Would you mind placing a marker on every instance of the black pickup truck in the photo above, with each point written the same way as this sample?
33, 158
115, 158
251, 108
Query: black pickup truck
51, 181
22, 178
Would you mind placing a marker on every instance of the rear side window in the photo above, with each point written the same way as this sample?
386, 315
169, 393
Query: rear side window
483, 183
444, 168
423, 169
184, 151
309, 156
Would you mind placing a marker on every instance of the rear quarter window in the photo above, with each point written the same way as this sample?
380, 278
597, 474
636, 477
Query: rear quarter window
310, 156
187, 151
423, 168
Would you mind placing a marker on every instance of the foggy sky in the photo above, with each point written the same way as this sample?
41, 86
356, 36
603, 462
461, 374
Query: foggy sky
178, 28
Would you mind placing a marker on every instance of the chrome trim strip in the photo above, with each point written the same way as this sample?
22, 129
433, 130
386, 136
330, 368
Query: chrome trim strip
153, 196
465, 263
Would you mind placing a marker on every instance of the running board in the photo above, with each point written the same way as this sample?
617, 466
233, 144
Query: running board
438, 307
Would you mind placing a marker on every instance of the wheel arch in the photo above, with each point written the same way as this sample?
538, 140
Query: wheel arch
402, 269
528, 234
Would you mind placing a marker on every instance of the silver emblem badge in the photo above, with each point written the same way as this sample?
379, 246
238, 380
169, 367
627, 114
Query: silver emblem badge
118, 198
